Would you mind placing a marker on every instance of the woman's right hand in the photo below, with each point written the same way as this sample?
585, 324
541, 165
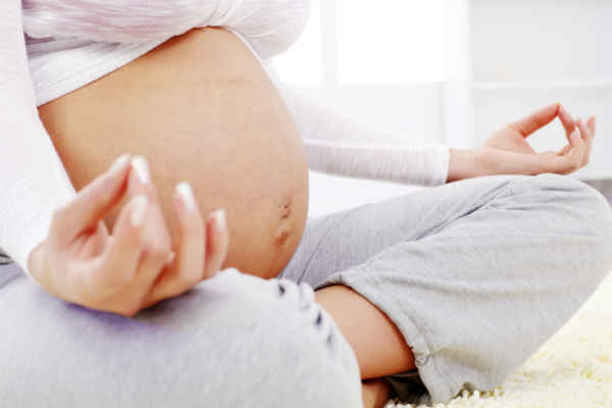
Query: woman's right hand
135, 267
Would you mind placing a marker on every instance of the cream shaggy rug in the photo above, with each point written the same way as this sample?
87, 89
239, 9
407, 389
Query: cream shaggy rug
573, 369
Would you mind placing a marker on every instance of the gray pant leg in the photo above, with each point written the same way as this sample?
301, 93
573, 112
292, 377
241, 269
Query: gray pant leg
234, 341
476, 274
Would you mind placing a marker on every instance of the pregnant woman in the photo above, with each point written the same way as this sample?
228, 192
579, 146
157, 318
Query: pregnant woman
419, 296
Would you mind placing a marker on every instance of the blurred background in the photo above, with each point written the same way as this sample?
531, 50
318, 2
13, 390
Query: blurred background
453, 71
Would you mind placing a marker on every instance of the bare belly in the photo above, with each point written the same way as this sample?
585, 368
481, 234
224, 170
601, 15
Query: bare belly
200, 108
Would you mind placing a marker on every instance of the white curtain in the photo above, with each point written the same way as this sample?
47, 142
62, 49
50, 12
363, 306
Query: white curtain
452, 71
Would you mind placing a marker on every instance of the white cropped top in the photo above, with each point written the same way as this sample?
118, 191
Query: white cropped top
69, 43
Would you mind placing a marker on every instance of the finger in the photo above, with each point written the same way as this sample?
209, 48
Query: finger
572, 161
188, 268
588, 139
567, 121
569, 162
140, 179
91, 203
121, 258
580, 126
536, 120
218, 243
578, 146
156, 230
36, 266
591, 125
152, 268
96, 242
565, 150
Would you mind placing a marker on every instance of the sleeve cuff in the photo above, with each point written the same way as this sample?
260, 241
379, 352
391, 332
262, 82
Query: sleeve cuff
440, 160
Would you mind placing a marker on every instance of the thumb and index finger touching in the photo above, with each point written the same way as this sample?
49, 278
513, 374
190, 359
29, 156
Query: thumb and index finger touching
544, 116
572, 156
537, 120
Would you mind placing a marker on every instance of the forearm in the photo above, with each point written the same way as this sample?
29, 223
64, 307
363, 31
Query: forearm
419, 165
33, 184
464, 163
337, 144
33, 181
469, 163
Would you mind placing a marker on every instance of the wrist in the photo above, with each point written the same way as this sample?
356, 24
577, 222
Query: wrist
465, 163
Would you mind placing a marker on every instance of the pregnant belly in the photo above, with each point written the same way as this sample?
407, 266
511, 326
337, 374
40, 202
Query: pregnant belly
200, 108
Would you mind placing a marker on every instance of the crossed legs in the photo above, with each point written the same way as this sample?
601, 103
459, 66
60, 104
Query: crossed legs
235, 340
473, 275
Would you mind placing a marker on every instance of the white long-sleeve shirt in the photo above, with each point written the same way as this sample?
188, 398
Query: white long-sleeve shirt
69, 43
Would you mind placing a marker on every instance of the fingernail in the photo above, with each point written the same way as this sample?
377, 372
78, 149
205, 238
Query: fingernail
171, 257
185, 192
139, 163
139, 210
219, 217
119, 163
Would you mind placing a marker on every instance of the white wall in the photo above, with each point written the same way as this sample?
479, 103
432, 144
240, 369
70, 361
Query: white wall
541, 40
408, 113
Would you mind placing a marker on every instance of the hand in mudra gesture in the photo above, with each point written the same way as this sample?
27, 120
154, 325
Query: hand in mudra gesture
507, 151
135, 266
513, 138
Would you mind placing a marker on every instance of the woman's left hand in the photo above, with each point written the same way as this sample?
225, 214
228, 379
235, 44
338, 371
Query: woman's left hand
135, 265
508, 152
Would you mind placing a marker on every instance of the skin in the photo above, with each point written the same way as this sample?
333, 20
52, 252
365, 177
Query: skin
81, 262
375, 393
209, 128
212, 128
507, 150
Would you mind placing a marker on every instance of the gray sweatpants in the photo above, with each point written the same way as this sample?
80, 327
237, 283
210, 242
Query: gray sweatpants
476, 274
234, 341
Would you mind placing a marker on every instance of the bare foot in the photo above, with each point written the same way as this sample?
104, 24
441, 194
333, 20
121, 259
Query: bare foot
375, 393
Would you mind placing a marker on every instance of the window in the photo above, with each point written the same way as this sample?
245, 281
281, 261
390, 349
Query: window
388, 41
391, 41
353, 55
